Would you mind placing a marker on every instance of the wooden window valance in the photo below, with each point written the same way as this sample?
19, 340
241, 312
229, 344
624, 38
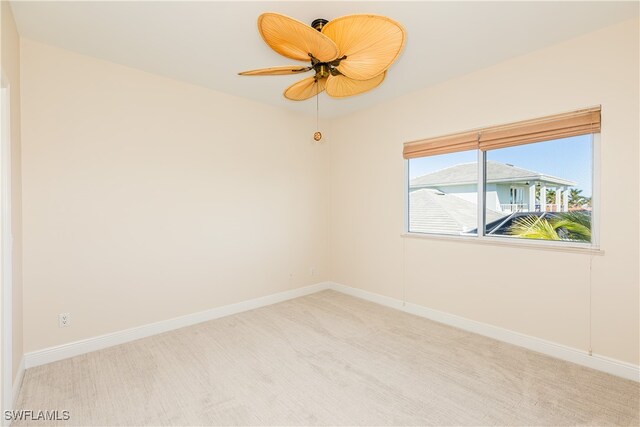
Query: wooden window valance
557, 126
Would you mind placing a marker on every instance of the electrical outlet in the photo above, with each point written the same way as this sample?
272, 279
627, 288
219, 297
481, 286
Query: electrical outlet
64, 320
312, 271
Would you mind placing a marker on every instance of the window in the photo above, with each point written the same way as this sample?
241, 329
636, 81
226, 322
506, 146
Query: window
528, 180
551, 198
443, 194
516, 195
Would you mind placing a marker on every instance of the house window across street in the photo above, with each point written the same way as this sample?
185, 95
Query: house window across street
516, 196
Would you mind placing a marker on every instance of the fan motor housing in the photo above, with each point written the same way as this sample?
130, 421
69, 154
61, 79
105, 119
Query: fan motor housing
322, 70
319, 23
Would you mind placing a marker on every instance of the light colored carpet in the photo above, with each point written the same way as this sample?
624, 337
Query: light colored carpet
326, 359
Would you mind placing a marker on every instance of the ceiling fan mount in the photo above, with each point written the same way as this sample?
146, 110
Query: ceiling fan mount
349, 55
319, 23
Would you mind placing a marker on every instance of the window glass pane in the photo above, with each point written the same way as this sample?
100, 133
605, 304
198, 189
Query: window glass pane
443, 194
540, 190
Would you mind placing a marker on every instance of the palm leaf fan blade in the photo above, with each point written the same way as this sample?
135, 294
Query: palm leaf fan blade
276, 71
305, 89
340, 86
294, 39
371, 43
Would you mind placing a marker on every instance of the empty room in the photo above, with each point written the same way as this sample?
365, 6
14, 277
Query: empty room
320, 213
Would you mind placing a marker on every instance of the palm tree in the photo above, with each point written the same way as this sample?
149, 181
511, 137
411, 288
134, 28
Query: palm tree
551, 197
574, 226
577, 200
533, 227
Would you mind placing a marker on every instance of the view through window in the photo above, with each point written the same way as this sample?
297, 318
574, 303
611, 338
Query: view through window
539, 190
443, 193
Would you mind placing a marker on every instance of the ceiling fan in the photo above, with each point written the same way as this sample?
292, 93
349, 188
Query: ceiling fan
348, 55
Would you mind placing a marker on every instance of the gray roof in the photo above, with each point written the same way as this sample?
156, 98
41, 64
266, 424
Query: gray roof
432, 211
467, 173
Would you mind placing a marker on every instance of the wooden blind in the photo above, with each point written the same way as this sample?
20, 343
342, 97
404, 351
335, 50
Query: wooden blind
441, 145
575, 123
557, 126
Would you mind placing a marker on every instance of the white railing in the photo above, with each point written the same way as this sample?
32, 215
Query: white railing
514, 207
522, 207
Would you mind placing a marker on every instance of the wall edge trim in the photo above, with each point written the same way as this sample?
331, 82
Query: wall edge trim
17, 383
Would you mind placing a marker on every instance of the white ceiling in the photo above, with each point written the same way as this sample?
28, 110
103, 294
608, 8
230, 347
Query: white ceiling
207, 43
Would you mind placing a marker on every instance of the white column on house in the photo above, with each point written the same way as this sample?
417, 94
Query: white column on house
565, 200
532, 197
543, 198
558, 198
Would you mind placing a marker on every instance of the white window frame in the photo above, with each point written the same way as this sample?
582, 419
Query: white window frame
481, 238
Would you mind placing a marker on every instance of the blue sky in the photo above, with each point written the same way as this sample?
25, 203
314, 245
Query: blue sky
568, 158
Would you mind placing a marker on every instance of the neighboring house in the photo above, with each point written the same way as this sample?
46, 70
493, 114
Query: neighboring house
432, 211
508, 188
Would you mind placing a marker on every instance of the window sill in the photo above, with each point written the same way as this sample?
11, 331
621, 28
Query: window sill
498, 241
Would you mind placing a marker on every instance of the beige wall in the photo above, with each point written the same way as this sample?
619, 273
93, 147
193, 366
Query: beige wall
540, 293
11, 70
146, 198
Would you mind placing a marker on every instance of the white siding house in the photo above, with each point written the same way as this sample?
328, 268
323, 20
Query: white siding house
508, 188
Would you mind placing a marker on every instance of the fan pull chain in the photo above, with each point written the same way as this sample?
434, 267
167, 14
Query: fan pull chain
317, 136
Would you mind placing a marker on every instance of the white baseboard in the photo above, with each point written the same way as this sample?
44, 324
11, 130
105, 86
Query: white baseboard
65, 351
559, 351
580, 357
